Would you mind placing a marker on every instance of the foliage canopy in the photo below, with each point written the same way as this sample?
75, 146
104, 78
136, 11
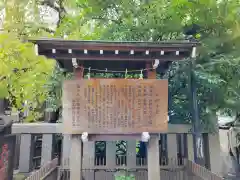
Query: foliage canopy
214, 23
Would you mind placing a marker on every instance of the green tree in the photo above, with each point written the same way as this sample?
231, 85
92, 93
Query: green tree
214, 23
23, 73
216, 26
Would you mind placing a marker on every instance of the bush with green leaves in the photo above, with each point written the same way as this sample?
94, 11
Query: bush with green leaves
122, 175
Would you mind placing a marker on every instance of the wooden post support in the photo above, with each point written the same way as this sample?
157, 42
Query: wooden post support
88, 159
153, 144
76, 158
76, 155
78, 72
153, 158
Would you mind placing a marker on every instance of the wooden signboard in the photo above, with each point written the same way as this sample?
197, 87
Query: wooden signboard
115, 106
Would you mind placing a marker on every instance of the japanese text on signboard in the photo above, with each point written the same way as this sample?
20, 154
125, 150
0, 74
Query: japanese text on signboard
115, 106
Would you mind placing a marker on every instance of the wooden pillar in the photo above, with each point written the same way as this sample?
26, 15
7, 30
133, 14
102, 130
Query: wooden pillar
153, 158
76, 143
76, 158
88, 154
88, 159
153, 144
151, 74
79, 72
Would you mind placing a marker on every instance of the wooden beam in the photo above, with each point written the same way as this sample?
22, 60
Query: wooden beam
103, 57
112, 48
62, 42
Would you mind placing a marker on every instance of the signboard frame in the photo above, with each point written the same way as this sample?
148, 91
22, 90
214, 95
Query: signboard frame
115, 106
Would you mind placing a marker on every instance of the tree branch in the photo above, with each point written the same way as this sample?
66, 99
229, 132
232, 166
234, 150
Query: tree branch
15, 70
47, 29
57, 6
61, 13
106, 19
41, 28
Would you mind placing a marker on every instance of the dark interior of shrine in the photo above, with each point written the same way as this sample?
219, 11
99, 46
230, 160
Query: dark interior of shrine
118, 67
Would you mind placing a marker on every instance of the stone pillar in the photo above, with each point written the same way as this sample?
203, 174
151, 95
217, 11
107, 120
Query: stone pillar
88, 159
190, 147
153, 158
26, 153
47, 148
216, 161
172, 148
66, 144
76, 158
88, 154
110, 154
131, 154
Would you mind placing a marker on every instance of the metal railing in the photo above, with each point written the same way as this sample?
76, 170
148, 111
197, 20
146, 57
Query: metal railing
44, 170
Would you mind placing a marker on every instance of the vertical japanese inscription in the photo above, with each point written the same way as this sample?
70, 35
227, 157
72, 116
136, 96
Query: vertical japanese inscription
145, 107
77, 108
93, 109
85, 108
97, 102
89, 106
100, 106
150, 105
112, 107
104, 105
116, 103
130, 107
134, 108
110, 117
139, 104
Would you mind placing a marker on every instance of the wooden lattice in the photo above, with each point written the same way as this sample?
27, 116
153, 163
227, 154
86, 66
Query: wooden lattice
115, 106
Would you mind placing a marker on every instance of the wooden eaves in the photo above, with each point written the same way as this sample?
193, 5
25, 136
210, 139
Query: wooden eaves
92, 51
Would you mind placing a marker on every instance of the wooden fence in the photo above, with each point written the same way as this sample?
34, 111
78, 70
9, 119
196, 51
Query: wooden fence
189, 171
174, 148
44, 171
